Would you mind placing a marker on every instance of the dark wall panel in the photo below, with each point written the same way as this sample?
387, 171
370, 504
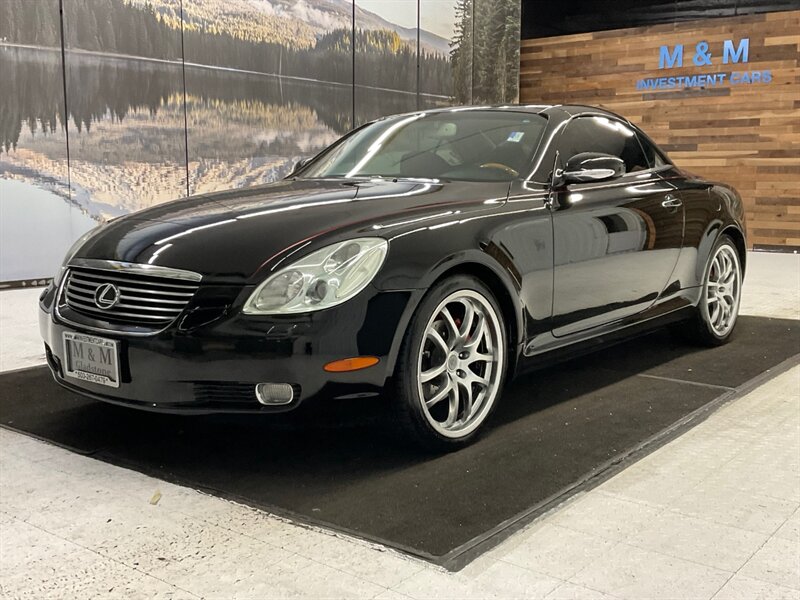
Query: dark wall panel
545, 18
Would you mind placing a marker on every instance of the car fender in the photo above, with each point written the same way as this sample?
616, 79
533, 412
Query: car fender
481, 264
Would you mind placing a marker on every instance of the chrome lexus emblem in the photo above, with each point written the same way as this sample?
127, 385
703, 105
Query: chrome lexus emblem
106, 296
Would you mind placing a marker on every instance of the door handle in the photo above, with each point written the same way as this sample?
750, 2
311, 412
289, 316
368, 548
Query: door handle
671, 202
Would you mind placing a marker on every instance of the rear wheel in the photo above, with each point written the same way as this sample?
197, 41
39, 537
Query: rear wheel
718, 309
452, 364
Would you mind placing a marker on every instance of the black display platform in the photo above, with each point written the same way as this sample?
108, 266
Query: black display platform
557, 430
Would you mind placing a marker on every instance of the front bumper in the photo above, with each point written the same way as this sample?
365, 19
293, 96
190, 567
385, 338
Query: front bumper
214, 367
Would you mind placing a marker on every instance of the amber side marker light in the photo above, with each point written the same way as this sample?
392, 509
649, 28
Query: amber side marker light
351, 364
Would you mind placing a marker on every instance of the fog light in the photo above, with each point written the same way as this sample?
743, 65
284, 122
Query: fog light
271, 394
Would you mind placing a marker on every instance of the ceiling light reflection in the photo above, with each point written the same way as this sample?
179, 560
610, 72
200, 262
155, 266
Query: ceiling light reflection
192, 230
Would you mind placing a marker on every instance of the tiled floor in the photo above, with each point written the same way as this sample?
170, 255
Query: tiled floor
713, 514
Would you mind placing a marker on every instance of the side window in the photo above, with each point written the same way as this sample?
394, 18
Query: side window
600, 134
654, 156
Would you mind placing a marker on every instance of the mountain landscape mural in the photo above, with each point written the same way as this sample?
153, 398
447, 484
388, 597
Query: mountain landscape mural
152, 100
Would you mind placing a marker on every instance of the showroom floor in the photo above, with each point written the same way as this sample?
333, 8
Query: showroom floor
715, 513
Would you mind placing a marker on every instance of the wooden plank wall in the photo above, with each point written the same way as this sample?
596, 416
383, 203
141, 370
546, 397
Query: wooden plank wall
746, 135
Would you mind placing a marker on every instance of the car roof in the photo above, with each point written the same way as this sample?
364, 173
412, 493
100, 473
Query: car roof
561, 110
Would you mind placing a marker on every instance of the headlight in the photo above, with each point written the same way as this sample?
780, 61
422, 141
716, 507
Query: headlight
73, 250
322, 279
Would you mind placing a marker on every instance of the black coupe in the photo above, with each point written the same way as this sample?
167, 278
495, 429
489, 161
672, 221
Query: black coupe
429, 255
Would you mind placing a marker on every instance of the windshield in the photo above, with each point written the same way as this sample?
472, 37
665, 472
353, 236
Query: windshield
471, 145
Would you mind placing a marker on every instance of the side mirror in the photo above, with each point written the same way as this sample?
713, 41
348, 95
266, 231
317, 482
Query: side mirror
592, 166
299, 165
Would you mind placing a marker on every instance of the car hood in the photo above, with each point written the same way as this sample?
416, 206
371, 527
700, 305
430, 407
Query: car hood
235, 235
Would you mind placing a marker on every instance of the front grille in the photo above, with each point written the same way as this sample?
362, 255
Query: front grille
144, 300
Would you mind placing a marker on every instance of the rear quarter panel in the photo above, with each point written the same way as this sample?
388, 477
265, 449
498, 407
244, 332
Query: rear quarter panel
711, 209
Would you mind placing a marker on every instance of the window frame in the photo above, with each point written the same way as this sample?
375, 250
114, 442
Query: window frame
657, 151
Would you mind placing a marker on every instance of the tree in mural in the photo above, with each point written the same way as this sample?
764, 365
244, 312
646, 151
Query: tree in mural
485, 51
461, 52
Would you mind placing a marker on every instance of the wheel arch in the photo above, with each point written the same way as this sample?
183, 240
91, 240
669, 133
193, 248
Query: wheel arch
708, 241
738, 238
493, 276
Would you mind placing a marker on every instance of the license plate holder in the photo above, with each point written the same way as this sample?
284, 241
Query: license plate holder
91, 358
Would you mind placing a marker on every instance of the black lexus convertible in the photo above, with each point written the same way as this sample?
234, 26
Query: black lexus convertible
427, 256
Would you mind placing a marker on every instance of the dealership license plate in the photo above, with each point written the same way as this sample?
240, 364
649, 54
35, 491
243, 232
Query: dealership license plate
90, 358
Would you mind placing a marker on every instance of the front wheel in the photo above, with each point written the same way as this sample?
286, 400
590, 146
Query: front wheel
452, 364
718, 308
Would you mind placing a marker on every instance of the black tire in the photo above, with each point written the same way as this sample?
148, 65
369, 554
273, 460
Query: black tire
414, 422
700, 328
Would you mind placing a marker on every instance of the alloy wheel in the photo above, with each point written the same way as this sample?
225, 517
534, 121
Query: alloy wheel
723, 290
460, 363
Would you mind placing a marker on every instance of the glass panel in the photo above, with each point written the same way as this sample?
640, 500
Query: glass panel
264, 88
495, 74
125, 98
445, 71
654, 156
600, 134
465, 145
385, 59
38, 219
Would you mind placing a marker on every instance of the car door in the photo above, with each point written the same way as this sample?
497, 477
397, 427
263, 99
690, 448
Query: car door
616, 241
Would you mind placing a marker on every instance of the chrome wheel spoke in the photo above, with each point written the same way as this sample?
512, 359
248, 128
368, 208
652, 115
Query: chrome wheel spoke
720, 317
714, 273
452, 329
452, 409
437, 339
477, 336
426, 376
727, 300
717, 311
477, 379
440, 395
467, 399
729, 277
466, 322
480, 357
